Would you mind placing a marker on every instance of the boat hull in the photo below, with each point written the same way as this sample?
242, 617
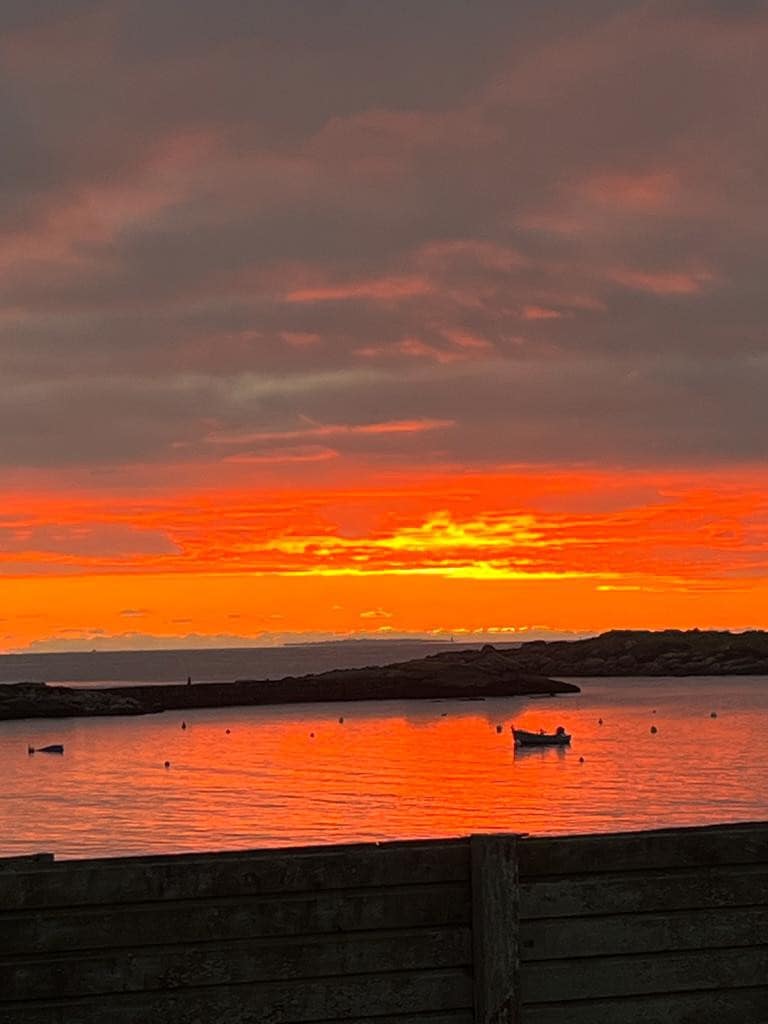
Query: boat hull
536, 739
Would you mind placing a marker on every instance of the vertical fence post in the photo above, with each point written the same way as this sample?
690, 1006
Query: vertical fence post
495, 928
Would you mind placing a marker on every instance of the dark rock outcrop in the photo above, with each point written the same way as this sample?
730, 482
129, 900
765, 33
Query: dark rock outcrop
36, 700
468, 674
670, 652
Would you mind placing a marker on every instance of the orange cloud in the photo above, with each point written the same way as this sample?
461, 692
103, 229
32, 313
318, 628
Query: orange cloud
672, 282
382, 289
333, 430
459, 349
298, 453
641, 192
540, 313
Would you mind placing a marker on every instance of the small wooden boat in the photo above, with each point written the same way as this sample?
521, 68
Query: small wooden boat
52, 748
559, 738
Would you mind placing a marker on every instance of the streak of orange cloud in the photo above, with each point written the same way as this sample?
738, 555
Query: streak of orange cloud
667, 282
650, 191
540, 313
383, 289
332, 430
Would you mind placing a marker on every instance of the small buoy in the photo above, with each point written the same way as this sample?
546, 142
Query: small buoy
599, 721
444, 714
227, 732
166, 764
581, 760
183, 725
311, 735
189, 680
499, 728
654, 729
713, 714
341, 720
654, 711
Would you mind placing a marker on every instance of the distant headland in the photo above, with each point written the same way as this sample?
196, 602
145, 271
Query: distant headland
460, 674
669, 652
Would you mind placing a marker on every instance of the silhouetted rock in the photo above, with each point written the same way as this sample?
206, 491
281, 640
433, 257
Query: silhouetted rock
451, 674
36, 700
670, 652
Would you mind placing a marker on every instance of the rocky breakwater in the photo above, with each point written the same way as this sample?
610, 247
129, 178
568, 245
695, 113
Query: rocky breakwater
36, 700
470, 674
669, 652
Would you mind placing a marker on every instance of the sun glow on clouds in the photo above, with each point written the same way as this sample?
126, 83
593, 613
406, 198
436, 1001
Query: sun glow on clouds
528, 525
343, 347
576, 550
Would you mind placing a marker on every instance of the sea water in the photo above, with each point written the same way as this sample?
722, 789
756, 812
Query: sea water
346, 772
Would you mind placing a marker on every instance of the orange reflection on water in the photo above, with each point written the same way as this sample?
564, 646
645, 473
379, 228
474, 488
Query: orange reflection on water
291, 776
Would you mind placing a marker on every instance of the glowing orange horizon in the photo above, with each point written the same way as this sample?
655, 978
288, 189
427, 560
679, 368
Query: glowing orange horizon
573, 550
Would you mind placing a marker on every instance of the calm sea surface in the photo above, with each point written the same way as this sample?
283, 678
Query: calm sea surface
401, 769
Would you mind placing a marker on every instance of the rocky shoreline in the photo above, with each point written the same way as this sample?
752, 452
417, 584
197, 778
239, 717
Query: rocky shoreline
670, 652
462, 674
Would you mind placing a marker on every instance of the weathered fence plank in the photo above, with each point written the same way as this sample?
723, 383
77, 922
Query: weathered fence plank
606, 977
127, 880
441, 1017
494, 928
734, 1006
741, 843
583, 895
273, 1002
164, 923
557, 938
225, 963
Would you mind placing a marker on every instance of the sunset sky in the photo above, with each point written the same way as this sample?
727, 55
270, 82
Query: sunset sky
325, 318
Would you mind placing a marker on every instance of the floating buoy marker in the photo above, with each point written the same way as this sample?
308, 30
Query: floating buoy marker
654, 729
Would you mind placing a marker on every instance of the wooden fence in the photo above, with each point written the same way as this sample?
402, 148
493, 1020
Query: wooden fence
668, 926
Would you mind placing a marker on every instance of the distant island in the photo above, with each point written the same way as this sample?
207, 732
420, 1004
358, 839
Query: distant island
461, 674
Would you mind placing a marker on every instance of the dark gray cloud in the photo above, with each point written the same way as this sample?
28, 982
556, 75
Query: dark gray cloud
545, 223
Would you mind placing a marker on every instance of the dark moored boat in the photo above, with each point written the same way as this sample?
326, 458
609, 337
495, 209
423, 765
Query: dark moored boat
559, 738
